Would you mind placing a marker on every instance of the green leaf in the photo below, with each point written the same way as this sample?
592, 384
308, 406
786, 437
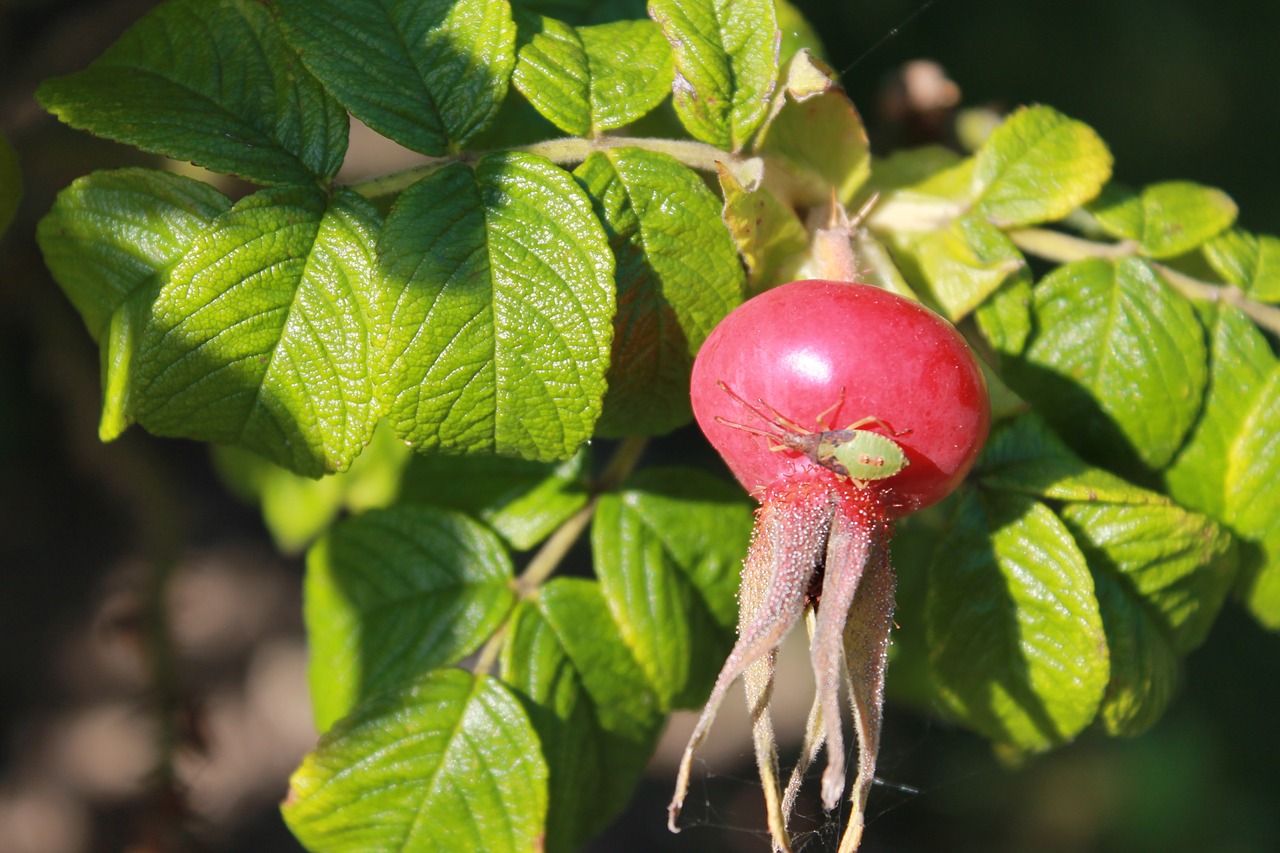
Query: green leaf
448, 763
966, 262
770, 237
1038, 166
1162, 574
524, 501
588, 702
1165, 219
1015, 634
503, 320
1005, 317
678, 276
591, 79
726, 64
394, 593
816, 137
111, 236
213, 83
110, 240
429, 74
668, 550
578, 12
1117, 366
1239, 419
10, 184
1229, 467
797, 33
1024, 456
297, 509
1250, 262
262, 336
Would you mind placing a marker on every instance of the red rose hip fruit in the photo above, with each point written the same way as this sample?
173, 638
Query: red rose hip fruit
799, 347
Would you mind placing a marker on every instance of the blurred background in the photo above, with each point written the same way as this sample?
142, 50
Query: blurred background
1180, 89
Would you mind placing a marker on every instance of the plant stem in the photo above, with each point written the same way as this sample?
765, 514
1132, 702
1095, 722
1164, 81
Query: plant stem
1063, 248
544, 563
571, 150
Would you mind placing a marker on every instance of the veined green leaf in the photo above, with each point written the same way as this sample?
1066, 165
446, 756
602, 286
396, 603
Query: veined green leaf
263, 336
109, 240
678, 275
392, 594
1023, 455
111, 236
966, 262
816, 136
1117, 366
1162, 574
589, 704
450, 762
590, 79
770, 237
726, 65
1229, 467
210, 81
429, 74
1165, 219
667, 550
1015, 634
1038, 166
10, 184
503, 319
1249, 261
522, 500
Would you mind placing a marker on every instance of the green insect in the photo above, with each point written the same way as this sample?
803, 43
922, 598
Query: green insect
852, 452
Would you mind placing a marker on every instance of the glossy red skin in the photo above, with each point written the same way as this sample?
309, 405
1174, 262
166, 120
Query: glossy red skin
795, 346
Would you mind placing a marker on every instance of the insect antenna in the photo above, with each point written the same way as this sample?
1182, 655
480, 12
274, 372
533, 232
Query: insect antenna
779, 421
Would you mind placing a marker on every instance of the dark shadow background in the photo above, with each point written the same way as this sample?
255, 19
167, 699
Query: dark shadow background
1180, 89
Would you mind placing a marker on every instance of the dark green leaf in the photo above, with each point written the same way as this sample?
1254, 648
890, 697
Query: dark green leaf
1162, 574
1038, 166
1117, 365
1250, 262
726, 63
109, 240
1015, 634
816, 136
668, 549
429, 74
678, 275
503, 320
1166, 219
523, 500
578, 12
394, 593
448, 763
589, 704
10, 184
263, 337
213, 83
